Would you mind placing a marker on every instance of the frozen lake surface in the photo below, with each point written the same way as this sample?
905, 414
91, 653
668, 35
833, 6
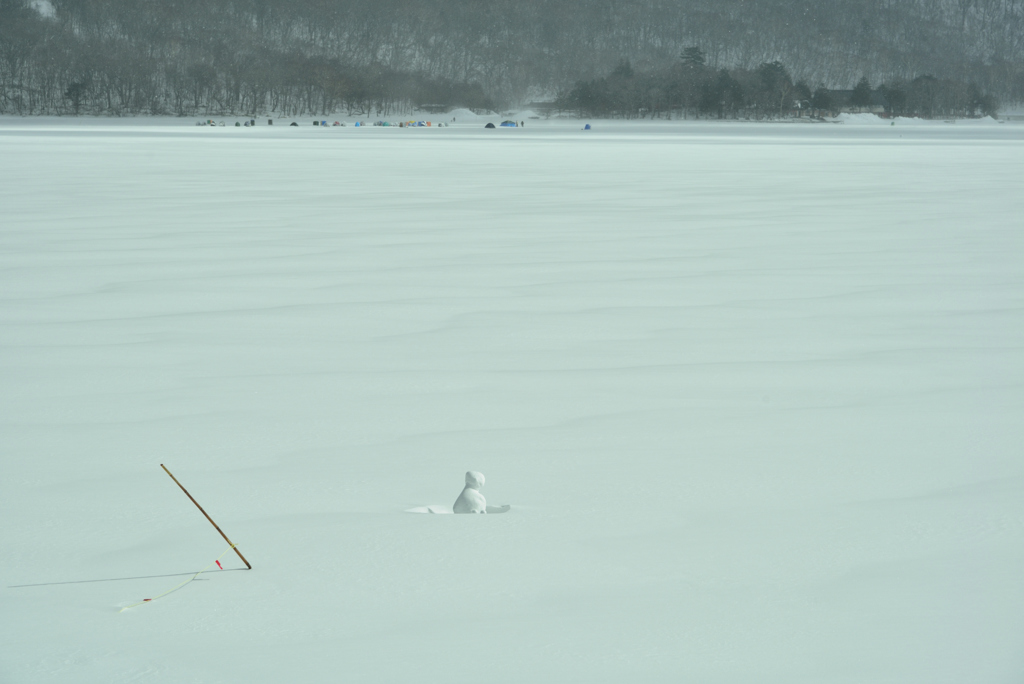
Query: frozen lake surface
754, 392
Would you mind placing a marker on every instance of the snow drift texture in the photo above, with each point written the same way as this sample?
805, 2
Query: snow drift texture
755, 392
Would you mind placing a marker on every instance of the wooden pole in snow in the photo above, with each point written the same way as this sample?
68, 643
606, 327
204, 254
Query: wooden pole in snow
207, 517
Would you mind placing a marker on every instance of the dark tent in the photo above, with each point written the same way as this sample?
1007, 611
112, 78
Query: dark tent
490, 125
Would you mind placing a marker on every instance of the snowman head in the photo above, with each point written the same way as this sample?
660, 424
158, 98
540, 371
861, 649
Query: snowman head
474, 480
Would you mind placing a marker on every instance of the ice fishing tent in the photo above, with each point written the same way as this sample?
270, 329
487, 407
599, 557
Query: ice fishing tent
509, 124
490, 125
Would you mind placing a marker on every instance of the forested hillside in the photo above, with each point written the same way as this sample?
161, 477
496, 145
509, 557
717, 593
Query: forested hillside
191, 57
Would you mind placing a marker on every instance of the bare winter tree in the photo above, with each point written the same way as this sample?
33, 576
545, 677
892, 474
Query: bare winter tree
210, 56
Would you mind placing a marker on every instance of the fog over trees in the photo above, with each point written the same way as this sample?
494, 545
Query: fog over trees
191, 57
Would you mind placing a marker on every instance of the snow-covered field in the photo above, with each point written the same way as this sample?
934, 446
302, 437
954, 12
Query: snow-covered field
754, 392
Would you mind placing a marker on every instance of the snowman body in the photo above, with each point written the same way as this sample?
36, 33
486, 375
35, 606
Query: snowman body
471, 500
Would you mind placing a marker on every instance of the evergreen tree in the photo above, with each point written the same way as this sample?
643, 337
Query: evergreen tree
693, 58
802, 91
821, 102
776, 87
861, 96
695, 84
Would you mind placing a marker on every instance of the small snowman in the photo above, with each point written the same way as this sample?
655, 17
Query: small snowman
471, 500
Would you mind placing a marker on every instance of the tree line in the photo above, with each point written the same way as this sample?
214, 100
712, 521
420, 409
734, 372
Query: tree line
293, 57
692, 89
54, 68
